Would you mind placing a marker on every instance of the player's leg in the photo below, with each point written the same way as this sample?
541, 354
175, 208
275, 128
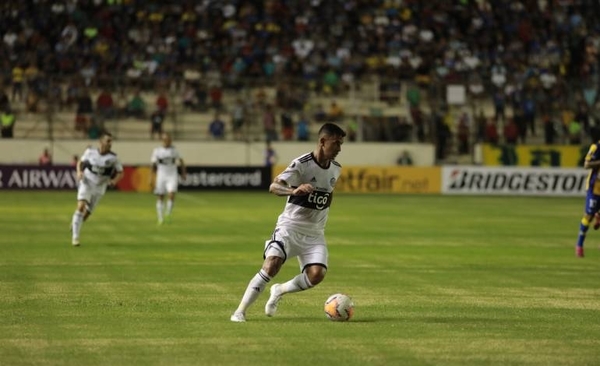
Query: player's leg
77, 221
312, 275
313, 264
160, 207
171, 187
275, 255
591, 207
597, 219
159, 191
170, 202
88, 207
84, 197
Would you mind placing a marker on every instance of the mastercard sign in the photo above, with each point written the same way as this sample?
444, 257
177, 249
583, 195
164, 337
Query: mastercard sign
135, 179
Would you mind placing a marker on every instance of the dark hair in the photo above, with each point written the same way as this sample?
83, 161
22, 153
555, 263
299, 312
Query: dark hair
105, 133
331, 129
595, 134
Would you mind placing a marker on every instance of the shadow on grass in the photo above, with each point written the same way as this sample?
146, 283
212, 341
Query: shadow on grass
464, 320
313, 320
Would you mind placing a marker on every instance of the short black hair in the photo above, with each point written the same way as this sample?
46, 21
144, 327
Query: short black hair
595, 134
331, 129
105, 133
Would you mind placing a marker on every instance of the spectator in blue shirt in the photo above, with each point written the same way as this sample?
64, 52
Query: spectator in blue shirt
217, 128
302, 129
270, 155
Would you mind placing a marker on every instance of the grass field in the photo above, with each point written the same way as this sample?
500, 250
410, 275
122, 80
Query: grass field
436, 281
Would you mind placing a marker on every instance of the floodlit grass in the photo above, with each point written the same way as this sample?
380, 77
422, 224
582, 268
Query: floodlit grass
436, 281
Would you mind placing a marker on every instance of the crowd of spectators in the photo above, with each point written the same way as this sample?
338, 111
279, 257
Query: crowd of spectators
538, 58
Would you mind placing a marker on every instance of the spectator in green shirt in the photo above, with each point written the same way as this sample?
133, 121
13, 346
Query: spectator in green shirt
413, 96
136, 106
575, 132
7, 123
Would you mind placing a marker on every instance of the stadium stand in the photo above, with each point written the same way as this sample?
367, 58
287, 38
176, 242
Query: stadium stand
386, 63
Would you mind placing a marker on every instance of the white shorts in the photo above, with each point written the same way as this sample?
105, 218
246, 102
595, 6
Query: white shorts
287, 243
90, 193
166, 185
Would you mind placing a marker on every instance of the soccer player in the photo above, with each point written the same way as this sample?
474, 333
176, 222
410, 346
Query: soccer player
308, 183
165, 176
96, 169
592, 162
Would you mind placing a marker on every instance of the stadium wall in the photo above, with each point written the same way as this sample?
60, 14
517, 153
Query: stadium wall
215, 153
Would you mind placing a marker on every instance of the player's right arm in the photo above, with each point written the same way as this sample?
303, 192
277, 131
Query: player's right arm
79, 168
592, 164
153, 175
80, 164
289, 182
281, 188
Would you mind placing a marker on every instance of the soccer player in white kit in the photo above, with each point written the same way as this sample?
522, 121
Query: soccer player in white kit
308, 182
165, 175
96, 169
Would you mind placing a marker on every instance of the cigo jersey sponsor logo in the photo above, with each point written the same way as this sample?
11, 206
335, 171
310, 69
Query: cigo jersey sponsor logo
514, 181
319, 199
316, 200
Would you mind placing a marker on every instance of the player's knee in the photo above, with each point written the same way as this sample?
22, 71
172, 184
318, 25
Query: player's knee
81, 207
316, 274
272, 265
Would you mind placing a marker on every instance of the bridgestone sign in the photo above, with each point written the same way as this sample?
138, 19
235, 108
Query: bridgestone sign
513, 181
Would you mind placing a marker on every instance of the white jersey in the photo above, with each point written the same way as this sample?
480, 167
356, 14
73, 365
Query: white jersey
309, 213
97, 168
166, 159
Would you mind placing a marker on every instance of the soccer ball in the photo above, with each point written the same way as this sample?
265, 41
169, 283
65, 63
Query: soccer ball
339, 307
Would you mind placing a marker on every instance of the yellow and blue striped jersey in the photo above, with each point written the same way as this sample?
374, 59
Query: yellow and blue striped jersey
592, 184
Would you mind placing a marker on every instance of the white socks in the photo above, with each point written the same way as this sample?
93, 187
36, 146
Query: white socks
76, 224
298, 283
255, 287
159, 209
169, 207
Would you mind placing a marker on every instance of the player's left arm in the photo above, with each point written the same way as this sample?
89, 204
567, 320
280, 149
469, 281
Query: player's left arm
118, 176
182, 169
591, 159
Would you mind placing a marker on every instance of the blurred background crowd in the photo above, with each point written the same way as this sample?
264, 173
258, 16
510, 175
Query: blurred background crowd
271, 69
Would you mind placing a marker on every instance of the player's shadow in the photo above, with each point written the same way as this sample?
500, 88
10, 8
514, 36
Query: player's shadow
314, 320
399, 319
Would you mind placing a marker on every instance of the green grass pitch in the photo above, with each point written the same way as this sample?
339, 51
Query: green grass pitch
436, 281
